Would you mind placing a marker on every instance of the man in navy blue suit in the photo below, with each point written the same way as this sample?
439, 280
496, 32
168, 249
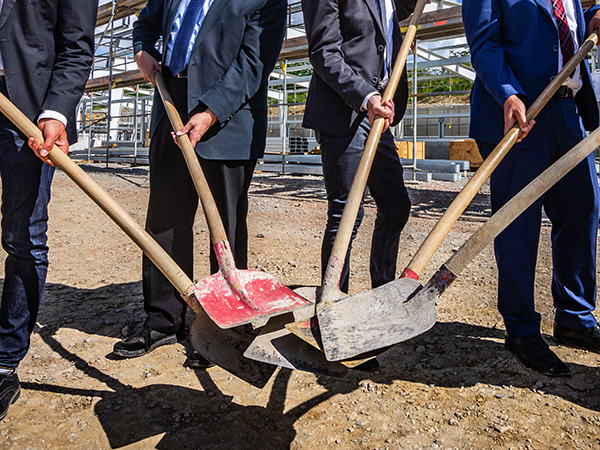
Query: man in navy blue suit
517, 47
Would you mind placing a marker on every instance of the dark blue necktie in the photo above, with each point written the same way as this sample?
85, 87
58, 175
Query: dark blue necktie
182, 41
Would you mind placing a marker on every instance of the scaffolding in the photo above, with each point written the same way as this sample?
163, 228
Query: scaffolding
115, 110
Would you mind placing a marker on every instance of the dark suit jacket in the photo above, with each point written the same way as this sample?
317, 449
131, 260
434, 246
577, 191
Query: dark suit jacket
233, 55
346, 48
47, 49
514, 50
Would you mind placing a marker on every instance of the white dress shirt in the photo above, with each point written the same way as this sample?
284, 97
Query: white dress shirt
575, 82
389, 44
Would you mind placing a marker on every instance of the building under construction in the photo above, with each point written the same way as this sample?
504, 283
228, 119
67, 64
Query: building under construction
115, 111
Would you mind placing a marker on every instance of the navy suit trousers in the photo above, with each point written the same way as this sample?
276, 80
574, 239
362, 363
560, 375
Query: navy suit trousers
572, 207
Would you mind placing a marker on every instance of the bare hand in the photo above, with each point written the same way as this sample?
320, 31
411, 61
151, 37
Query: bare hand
593, 25
197, 126
54, 134
515, 112
148, 65
376, 108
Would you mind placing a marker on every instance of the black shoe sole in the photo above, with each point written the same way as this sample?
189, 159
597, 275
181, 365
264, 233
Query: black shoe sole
512, 350
14, 399
167, 340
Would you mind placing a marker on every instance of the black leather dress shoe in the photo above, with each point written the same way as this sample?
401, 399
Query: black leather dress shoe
588, 338
535, 354
10, 389
142, 342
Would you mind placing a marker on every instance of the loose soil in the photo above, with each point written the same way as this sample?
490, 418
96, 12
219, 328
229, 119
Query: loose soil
454, 387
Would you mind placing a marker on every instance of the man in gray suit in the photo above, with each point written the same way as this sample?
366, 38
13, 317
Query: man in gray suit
352, 47
45, 58
216, 60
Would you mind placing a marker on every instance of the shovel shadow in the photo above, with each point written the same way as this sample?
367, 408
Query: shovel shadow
186, 418
455, 355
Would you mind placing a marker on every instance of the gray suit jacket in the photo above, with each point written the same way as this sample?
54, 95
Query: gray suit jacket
346, 48
47, 50
233, 55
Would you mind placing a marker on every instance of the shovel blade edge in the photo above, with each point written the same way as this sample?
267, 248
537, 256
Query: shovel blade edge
387, 315
276, 345
228, 309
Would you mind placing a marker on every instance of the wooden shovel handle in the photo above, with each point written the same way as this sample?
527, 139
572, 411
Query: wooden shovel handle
154, 251
342, 238
520, 202
462, 200
215, 224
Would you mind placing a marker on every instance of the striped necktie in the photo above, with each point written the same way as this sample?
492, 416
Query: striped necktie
182, 43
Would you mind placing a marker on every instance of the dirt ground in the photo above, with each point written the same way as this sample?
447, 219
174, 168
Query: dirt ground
454, 387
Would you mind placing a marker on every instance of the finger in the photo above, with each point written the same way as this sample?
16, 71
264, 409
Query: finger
185, 130
35, 144
174, 136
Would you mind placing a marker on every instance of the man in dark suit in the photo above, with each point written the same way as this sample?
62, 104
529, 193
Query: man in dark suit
352, 47
218, 81
517, 47
45, 56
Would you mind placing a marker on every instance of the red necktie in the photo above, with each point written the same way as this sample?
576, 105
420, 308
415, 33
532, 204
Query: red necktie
567, 46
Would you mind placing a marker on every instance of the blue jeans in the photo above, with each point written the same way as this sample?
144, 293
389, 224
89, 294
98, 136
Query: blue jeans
340, 157
25, 196
572, 207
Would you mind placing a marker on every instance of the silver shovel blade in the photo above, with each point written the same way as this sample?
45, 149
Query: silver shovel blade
387, 315
276, 345
226, 347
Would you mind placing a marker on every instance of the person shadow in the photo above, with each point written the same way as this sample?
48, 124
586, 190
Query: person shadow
186, 418
450, 355
461, 355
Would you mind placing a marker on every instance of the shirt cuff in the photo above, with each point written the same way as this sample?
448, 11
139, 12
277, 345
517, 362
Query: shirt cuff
363, 106
49, 114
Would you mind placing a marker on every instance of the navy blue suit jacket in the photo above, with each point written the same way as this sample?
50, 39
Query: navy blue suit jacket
233, 55
514, 51
47, 49
346, 48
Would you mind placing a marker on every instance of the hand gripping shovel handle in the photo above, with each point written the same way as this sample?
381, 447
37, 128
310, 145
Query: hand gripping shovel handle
342, 239
154, 251
513, 208
442, 228
215, 224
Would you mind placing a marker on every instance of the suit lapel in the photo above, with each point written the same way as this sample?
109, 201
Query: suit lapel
8, 4
375, 13
542, 5
213, 14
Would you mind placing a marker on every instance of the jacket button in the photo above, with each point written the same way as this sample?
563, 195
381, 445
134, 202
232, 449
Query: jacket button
374, 80
380, 48
555, 48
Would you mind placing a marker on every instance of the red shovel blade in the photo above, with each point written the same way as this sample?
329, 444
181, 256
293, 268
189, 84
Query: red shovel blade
227, 308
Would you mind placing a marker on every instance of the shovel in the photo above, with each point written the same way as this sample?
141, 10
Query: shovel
231, 297
379, 308
308, 329
226, 345
414, 312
